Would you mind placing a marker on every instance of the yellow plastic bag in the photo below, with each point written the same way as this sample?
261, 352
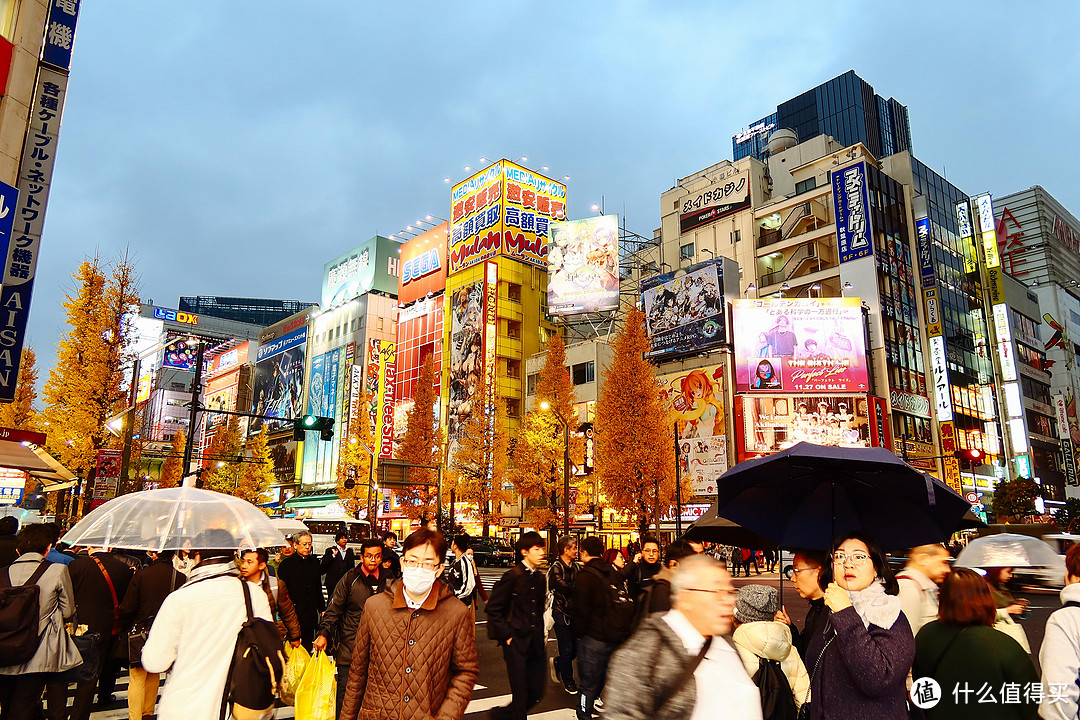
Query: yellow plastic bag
316, 698
293, 673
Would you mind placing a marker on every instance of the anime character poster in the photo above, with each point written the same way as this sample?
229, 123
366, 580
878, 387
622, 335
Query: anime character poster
771, 424
583, 266
466, 368
696, 398
279, 380
684, 313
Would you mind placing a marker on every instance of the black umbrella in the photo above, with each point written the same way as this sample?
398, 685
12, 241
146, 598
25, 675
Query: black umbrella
806, 495
710, 528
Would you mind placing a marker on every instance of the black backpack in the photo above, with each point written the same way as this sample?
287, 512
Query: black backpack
256, 671
619, 615
777, 700
20, 615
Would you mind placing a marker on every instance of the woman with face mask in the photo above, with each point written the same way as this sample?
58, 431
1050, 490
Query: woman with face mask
859, 661
415, 653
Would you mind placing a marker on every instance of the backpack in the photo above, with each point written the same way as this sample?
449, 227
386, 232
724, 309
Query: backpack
20, 615
256, 671
619, 614
777, 700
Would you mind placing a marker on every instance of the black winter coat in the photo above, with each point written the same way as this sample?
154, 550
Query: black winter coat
147, 590
303, 577
93, 601
515, 609
589, 612
561, 578
334, 566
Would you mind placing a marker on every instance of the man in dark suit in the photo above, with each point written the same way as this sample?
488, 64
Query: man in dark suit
515, 613
302, 575
336, 561
99, 580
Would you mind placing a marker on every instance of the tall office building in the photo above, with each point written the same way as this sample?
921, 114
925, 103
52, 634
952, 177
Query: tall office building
263, 312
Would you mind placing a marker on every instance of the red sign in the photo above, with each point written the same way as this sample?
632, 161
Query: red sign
423, 266
13, 435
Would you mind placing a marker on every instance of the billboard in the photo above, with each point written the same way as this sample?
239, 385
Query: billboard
770, 424
717, 202
381, 386
800, 345
696, 399
423, 266
371, 265
684, 310
180, 355
583, 266
106, 477
278, 389
12, 484
851, 208
465, 369
504, 209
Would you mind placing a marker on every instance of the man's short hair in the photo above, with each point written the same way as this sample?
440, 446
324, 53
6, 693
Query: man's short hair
370, 543
646, 539
690, 570
8, 525
303, 533
1072, 560
56, 530
341, 535
389, 535
566, 541
462, 542
423, 536
527, 542
815, 558
263, 555
34, 538
214, 543
927, 550
676, 551
592, 546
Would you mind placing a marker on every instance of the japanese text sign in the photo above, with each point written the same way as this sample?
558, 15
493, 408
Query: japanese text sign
60, 33
851, 203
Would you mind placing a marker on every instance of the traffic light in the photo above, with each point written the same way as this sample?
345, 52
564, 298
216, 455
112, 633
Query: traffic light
973, 456
324, 425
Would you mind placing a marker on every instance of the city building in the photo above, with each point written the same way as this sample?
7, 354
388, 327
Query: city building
421, 292
263, 312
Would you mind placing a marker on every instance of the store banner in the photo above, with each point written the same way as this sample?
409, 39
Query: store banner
851, 208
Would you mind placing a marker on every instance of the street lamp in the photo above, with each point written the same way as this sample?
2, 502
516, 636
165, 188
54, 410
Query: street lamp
545, 405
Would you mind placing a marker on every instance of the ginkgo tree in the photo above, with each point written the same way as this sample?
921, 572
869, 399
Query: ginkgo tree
634, 460
353, 471
172, 469
420, 446
20, 414
478, 468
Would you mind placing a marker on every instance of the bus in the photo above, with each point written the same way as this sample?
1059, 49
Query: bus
324, 529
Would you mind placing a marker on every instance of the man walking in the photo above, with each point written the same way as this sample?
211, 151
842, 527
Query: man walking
561, 576
657, 597
926, 568
462, 573
336, 561
302, 575
693, 672
391, 563
515, 614
415, 652
645, 566
253, 569
194, 633
337, 630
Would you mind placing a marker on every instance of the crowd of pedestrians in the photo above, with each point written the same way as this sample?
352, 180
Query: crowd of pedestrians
654, 633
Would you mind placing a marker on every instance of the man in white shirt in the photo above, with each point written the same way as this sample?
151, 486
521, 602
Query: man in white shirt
926, 568
693, 671
194, 633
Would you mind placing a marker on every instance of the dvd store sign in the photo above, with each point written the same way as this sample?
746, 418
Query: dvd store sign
176, 316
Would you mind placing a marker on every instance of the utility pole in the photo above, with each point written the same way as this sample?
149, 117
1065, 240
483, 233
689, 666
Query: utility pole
196, 391
129, 427
678, 487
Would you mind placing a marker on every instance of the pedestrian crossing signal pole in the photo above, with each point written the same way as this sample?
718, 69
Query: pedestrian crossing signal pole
678, 486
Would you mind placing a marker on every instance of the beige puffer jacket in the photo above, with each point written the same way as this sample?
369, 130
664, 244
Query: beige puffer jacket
772, 641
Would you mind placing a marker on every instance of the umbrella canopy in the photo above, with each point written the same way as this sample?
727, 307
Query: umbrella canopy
710, 528
806, 495
289, 526
172, 519
1008, 550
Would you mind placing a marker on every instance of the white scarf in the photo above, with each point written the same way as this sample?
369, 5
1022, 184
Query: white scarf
874, 606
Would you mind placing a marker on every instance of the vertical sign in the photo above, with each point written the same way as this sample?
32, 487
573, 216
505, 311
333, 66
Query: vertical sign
851, 204
389, 380
926, 253
106, 478
491, 323
940, 372
35, 179
951, 464
988, 228
60, 33
1061, 407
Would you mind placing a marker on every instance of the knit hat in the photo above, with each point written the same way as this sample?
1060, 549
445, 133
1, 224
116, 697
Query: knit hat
756, 603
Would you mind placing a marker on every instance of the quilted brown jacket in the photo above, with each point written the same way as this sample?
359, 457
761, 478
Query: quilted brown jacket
412, 664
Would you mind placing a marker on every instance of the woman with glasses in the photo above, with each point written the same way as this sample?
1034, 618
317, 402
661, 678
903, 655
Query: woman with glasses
860, 660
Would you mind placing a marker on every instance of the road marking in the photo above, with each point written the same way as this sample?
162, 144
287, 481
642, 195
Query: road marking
485, 704
481, 622
560, 714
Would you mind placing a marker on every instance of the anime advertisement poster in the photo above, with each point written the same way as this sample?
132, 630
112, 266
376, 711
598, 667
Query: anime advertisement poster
696, 398
771, 424
583, 266
279, 380
684, 311
466, 367
800, 345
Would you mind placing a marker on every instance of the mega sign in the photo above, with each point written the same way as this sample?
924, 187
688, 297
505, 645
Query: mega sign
176, 316
685, 314
583, 274
504, 209
423, 266
851, 205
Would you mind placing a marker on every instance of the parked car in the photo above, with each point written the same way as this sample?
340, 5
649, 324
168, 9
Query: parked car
492, 551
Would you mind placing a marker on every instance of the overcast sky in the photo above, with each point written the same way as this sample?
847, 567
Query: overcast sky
234, 147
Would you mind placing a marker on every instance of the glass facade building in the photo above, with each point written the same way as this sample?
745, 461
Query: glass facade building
846, 108
255, 311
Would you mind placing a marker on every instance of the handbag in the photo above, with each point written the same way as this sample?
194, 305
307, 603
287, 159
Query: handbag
1013, 629
140, 630
89, 646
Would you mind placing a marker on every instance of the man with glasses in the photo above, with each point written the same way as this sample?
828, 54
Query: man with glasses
302, 574
415, 651
342, 616
693, 671
805, 572
644, 566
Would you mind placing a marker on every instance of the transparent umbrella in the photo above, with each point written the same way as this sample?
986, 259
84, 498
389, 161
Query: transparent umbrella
288, 526
172, 519
1007, 550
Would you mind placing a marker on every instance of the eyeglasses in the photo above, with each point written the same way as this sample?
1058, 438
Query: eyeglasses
418, 564
369, 556
802, 570
855, 558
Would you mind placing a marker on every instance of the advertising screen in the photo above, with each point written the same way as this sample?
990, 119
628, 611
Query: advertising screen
180, 355
773, 423
696, 398
279, 379
583, 266
801, 345
422, 271
466, 366
684, 314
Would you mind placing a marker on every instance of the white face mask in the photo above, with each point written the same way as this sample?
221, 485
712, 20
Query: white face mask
418, 581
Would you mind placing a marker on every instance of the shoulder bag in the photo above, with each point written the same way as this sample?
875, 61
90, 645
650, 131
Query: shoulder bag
140, 629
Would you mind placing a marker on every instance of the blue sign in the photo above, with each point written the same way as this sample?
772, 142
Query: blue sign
926, 254
851, 206
9, 199
11, 495
60, 33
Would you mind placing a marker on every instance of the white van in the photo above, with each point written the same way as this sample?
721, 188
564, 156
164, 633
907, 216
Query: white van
324, 529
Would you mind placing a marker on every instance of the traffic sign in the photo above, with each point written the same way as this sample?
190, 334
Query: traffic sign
972, 497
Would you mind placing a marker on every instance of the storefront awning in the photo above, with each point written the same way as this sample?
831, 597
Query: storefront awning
39, 464
311, 501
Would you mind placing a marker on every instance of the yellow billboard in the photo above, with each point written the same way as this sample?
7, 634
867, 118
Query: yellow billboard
505, 209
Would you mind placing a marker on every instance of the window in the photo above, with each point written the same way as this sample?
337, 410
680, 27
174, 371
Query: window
735, 236
583, 373
686, 252
804, 185
513, 369
530, 383
513, 329
513, 407
379, 325
513, 292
